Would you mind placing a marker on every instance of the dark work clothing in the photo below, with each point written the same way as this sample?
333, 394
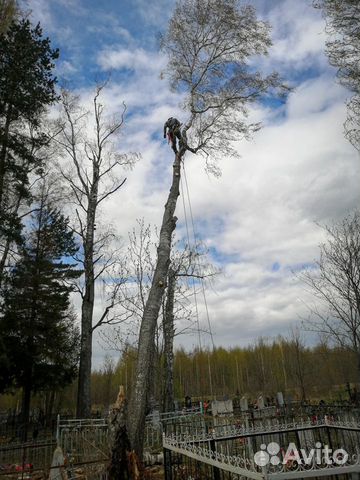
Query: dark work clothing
172, 125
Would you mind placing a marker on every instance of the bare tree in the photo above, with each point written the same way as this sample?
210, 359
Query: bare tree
297, 361
92, 175
335, 282
208, 44
140, 269
186, 266
176, 315
343, 49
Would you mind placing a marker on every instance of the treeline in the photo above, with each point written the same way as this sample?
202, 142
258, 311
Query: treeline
270, 366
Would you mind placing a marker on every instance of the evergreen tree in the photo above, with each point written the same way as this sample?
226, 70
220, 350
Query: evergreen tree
36, 324
27, 87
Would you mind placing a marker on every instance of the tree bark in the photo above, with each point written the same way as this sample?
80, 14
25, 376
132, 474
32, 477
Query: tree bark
136, 417
8, 241
358, 369
168, 324
3, 152
83, 409
119, 468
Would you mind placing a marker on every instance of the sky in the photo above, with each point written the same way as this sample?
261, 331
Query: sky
261, 220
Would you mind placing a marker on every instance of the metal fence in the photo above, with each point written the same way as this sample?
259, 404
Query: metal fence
20, 460
232, 453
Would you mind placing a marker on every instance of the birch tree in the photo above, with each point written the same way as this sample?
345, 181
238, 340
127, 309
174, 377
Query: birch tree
209, 45
92, 170
187, 271
343, 50
176, 316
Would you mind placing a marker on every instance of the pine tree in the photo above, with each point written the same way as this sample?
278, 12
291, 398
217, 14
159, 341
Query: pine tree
27, 87
36, 324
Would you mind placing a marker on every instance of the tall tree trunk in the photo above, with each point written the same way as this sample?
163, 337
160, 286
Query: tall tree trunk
300, 372
136, 417
4, 258
357, 399
83, 409
8, 240
3, 152
168, 324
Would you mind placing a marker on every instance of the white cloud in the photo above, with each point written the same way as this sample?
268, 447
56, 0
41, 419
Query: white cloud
137, 59
315, 95
297, 171
40, 12
65, 69
298, 34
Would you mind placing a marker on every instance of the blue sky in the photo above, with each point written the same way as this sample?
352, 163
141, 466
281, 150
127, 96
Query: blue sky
259, 219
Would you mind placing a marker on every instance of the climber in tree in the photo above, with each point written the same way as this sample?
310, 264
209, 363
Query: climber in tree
172, 125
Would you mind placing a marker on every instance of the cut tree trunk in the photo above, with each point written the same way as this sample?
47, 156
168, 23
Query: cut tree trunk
118, 467
143, 377
168, 328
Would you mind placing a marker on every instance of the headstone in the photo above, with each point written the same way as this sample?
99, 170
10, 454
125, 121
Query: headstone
260, 402
244, 404
220, 407
155, 418
280, 399
57, 470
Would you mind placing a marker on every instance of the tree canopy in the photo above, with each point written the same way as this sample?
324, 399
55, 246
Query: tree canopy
343, 49
209, 45
27, 87
40, 341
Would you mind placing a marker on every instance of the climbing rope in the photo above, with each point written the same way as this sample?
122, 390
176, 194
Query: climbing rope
201, 279
193, 280
195, 248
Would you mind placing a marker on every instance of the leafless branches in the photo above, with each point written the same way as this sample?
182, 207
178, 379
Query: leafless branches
92, 165
336, 283
91, 170
343, 49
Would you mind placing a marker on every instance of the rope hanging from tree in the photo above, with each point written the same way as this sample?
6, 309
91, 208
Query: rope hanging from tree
195, 246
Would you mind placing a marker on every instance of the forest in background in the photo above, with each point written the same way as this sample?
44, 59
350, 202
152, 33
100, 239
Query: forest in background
321, 372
